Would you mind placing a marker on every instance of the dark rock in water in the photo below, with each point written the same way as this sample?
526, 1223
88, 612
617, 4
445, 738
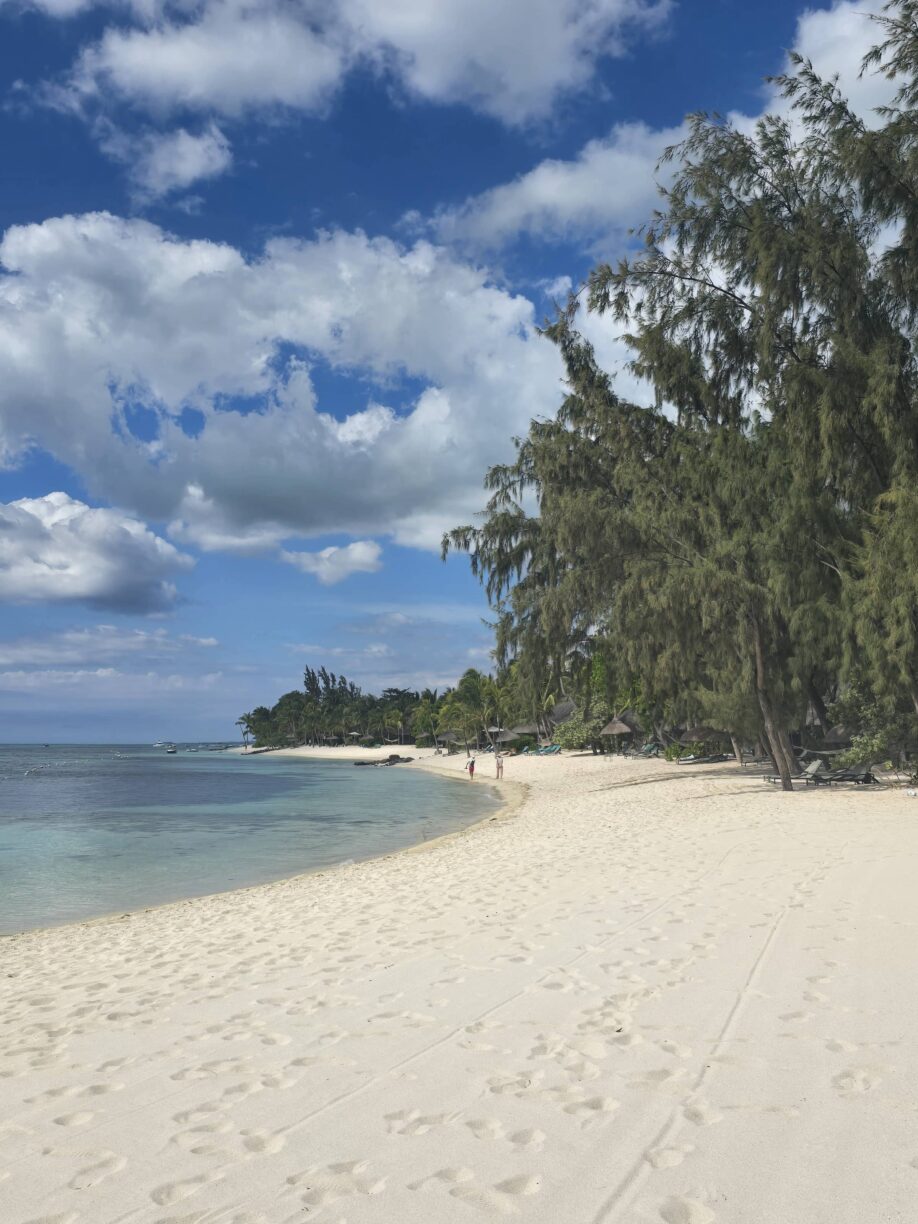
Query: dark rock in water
393, 759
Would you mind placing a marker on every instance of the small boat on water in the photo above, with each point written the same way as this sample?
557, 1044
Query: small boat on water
160, 744
171, 748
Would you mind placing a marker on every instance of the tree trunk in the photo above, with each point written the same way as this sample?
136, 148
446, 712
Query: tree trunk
789, 751
782, 765
819, 706
737, 750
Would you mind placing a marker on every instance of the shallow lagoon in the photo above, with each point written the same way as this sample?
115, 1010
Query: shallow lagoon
90, 830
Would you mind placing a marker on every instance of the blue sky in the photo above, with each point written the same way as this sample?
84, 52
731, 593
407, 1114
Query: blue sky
270, 274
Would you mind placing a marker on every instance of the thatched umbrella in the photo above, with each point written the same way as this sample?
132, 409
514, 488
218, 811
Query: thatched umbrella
701, 735
505, 737
525, 729
617, 727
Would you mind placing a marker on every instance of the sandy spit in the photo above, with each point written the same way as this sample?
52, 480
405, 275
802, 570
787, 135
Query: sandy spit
655, 994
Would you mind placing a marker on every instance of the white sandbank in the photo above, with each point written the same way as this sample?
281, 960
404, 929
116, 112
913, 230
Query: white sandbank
655, 993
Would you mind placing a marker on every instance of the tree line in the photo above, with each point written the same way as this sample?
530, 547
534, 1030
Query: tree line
330, 709
744, 552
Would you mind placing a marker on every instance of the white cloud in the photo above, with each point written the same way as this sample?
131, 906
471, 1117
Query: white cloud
56, 549
160, 163
608, 187
99, 315
511, 60
100, 643
107, 683
228, 58
836, 40
334, 564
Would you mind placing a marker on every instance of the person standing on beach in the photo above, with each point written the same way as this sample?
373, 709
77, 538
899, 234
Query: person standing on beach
470, 766
499, 764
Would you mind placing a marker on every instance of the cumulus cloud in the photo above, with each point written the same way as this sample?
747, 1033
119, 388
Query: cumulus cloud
511, 60
229, 58
100, 315
56, 549
161, 163
334, 564
608, 187
836, 40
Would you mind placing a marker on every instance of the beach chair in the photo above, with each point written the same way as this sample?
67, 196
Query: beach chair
814, 772
860, 775
811, 773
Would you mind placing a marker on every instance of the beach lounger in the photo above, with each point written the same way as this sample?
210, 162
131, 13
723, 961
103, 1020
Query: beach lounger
859, 774
810, 774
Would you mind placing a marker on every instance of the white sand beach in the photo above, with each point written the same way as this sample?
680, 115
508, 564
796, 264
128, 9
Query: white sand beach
650, 993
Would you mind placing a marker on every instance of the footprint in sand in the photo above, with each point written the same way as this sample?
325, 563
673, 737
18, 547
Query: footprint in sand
678, 1210
532, 1139
93, 1174
837, 1046
702, 1114
335, 1181
499, 1198
174, 1192
263, 1143
855, 1081
486, 1128
668, 1157
74, 1119
413, 1122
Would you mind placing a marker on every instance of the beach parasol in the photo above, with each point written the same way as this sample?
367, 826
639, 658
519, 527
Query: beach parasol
617, 727
701, 734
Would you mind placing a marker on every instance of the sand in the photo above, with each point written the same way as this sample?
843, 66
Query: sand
651, 993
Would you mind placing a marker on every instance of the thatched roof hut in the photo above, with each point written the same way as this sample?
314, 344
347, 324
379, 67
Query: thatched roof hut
701, 734
617, 726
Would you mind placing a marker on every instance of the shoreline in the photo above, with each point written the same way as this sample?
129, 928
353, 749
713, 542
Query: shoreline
550, 1016
504, 811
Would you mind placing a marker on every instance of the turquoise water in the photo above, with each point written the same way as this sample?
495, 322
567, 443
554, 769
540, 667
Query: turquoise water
89, 830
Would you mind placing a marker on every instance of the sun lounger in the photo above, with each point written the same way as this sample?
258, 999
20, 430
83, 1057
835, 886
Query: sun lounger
860, 775
714, 759
812, 773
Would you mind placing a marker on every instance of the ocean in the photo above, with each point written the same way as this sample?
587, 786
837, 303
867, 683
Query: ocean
87, 830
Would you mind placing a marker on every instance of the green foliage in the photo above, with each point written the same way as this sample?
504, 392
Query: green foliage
748, 545
865, 750
330, 709
580, 731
